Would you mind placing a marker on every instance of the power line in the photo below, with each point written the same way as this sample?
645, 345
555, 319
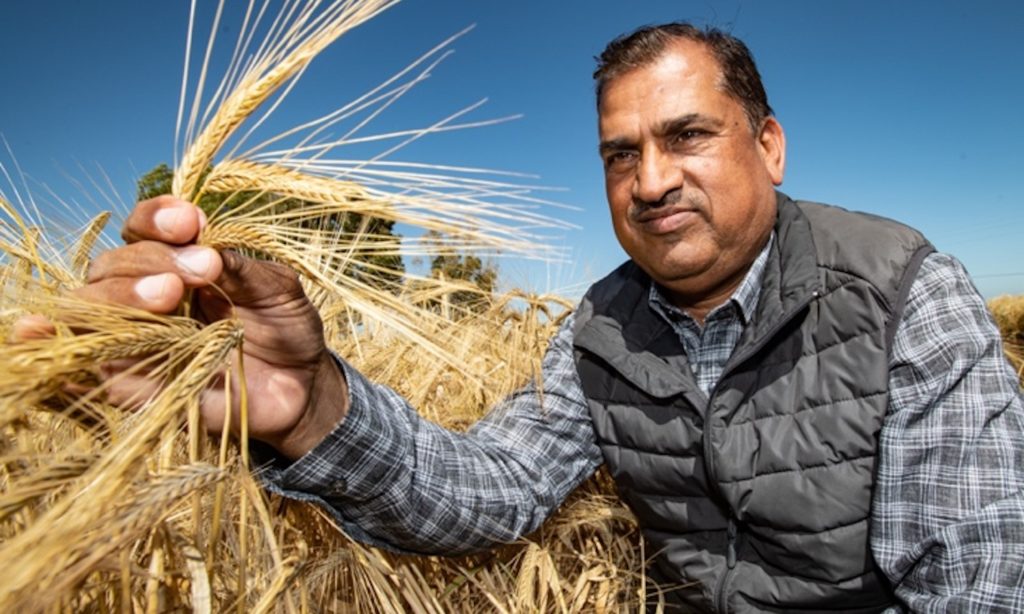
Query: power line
1020, 274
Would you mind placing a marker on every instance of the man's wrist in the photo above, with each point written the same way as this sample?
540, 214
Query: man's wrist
327, 406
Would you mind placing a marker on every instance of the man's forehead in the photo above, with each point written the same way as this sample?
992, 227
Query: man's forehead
687, 58
682, 63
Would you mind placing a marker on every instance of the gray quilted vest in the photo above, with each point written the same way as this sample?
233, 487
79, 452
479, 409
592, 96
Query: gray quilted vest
758, 498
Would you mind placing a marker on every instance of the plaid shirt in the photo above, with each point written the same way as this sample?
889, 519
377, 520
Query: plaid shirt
948, 509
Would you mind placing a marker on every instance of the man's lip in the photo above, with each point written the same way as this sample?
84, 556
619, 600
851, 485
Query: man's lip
664, 220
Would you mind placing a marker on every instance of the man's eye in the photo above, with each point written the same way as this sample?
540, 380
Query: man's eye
689, 135
619, 159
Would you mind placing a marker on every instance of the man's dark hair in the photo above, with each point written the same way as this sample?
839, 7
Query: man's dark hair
644, 45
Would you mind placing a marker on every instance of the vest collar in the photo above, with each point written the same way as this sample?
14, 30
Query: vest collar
621, 327
791, 279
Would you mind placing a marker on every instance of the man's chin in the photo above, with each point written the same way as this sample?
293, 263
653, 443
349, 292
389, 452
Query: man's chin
677, 273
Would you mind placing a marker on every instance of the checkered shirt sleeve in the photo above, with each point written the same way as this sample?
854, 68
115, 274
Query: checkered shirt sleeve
948, 510
393, 479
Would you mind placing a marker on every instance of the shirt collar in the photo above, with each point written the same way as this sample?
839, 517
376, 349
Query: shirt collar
744, 297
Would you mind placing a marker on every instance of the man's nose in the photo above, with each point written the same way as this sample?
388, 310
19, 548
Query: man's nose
656, 176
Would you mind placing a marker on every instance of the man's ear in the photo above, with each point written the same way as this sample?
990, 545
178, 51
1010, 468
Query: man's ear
771, 142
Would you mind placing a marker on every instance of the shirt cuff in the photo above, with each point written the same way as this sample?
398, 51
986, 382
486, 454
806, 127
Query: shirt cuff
354, 461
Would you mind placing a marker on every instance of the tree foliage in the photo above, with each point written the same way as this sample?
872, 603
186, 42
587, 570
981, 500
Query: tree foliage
450, 265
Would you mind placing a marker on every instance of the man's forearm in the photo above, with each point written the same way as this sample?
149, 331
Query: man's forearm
394, 479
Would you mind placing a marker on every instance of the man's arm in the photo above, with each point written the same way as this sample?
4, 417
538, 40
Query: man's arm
394, 479
391, 476
948, 511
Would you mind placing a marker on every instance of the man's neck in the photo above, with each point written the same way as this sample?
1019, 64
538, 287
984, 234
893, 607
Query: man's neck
698, 305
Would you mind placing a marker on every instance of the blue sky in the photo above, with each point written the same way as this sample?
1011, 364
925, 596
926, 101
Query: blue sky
911, 110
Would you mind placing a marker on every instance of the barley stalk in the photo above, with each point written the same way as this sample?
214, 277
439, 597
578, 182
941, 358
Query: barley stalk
113, 514
83, 251
285, 58
34, 577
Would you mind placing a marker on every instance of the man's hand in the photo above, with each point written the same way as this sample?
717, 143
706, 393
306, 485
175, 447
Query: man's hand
296, 392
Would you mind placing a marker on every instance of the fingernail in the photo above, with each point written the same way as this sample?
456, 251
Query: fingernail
167, 219
152, 288
196, 261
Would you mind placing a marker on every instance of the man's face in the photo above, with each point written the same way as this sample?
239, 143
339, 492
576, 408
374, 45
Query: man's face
689, 183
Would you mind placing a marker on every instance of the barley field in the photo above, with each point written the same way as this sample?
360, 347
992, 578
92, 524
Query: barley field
107, 510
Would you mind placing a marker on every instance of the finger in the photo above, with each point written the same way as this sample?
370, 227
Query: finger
32, 326
196, 266
131, 390
257, 283
160, 293
164, 218
115, 368
76, 389
128, 382
213, 407
213, 403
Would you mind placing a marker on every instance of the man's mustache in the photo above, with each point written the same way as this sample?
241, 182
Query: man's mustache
644, 210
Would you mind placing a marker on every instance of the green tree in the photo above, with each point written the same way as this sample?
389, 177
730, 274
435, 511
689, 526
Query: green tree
449, 265
155, 182
379, 270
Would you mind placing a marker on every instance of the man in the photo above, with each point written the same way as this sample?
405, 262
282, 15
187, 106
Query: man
807, 409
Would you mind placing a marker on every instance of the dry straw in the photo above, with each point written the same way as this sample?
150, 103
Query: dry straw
106, 510
1008, 312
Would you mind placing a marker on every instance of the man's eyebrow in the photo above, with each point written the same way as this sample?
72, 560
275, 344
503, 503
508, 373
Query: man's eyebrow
615, 145
690, 120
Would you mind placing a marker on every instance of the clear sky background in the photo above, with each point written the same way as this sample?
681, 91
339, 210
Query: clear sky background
910, 109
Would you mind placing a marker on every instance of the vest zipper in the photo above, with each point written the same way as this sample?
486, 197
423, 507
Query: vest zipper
731, 532
721, 602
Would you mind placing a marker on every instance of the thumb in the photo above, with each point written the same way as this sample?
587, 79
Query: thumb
255, 284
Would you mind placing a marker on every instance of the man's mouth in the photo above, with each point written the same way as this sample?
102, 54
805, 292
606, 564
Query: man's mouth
664, 220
